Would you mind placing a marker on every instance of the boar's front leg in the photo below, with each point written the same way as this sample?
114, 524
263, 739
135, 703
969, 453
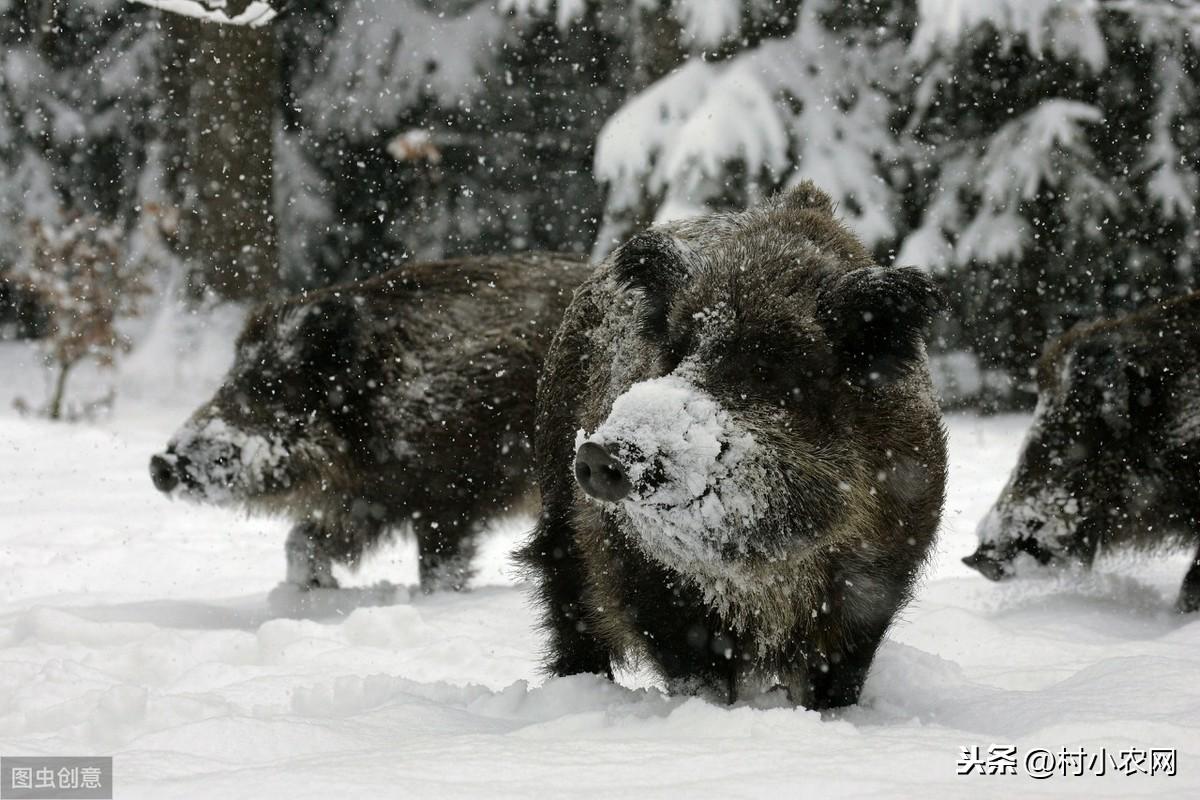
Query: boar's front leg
553, 559
445, 547
314, 545
309, 564
836, 674
700, 662
858, 606
1189, 595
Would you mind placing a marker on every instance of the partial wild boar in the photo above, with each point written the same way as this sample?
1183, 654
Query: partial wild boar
741, 459
1113, 456
357, 410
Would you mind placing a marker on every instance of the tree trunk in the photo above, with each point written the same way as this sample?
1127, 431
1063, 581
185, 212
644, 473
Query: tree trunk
224, 82
60, 389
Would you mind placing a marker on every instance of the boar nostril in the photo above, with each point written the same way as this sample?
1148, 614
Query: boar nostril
162, 472
599, 474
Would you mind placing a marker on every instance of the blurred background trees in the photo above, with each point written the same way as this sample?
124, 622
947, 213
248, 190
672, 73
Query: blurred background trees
1038, 157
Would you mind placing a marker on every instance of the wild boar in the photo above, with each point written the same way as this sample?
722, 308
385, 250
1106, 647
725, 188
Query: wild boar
358, 410
741, 459
1112, 459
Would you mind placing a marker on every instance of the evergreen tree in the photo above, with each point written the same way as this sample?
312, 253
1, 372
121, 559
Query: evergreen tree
1036, 155
1053, 170
79, 109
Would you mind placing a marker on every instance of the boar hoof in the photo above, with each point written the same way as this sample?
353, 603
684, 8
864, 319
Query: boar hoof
1188, 602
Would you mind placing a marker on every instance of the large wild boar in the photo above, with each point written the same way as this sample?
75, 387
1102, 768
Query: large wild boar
741, 459
360, 409
1113, 456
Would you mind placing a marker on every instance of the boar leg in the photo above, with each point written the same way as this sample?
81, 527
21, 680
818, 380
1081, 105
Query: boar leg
1085, 544
309, 564
445, 547
553, 557
862, 599
1189, 595
836, 678
699, 663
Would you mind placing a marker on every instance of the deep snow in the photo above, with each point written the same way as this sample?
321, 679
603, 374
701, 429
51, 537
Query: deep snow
155, 631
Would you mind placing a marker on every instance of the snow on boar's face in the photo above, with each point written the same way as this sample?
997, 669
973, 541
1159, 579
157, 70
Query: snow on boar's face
1080, 474
764, 345
283, 420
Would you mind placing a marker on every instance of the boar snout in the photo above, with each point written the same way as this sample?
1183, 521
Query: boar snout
162, 472
599, 474
986, 565
997, 562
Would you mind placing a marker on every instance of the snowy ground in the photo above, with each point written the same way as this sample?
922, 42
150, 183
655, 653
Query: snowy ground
155, 632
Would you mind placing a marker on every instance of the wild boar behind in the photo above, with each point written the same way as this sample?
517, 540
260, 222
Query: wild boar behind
1112, 459
359, 410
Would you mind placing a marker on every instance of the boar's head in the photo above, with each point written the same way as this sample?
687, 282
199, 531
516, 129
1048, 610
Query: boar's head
288, 415
1087, 468
771, 344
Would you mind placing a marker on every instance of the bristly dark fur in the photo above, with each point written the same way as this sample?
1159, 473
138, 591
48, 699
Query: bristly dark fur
407, 399
653, 263
1113, 458
876, 317
773, 314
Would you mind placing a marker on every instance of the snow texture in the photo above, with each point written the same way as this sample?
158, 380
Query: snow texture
1062, 28
810, 106
255, 14
386, 56
156, 633
1043, 147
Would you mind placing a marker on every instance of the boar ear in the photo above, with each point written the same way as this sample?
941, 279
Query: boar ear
329, 335
654, 264
876, 319
806, 195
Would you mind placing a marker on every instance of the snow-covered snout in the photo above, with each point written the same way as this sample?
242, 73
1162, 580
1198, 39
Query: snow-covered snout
271, 428
211, 461
669, 449
735, 455
1067, 487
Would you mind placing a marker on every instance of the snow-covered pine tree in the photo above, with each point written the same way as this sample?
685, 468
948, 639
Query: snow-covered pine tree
1036, 155
1054, 176
78, 111
748, 113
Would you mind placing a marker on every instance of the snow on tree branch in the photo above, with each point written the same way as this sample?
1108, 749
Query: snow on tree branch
1066, 28
809, 106
252, 13
1045, 148
386, 57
